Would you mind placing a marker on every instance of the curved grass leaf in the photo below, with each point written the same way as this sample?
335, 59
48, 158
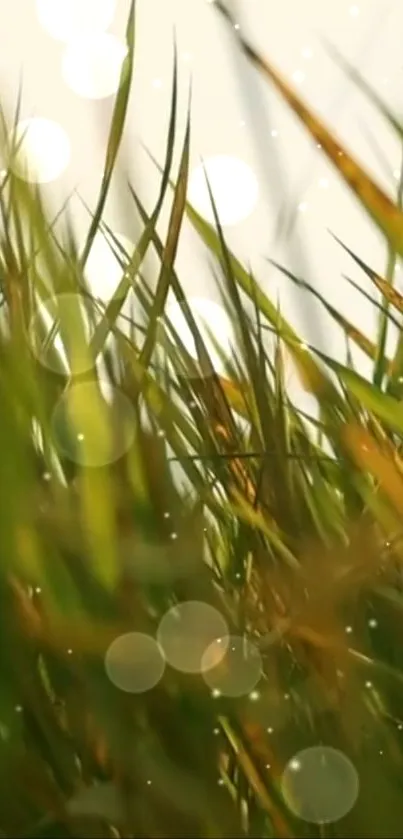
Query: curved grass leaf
115, 305
373, 400
116, 131
170, 249
358, 337
384, 286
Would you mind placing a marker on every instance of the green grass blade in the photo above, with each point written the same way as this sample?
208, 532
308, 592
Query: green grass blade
170, 249
114, 306
116, 132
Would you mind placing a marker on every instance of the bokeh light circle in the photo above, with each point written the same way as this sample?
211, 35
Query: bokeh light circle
187, 630
92, 65
134, 662
90, 429
235, 673
213, 324
320, 785
66, 19
40, 150
234, 187
45, 334
103, 270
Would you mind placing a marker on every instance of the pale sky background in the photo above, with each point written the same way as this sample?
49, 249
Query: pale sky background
236, 114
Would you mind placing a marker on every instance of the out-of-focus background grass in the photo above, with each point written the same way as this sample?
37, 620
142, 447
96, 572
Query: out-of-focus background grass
217, 656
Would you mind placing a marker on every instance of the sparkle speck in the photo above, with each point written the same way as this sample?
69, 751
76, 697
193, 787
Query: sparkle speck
349, 630
220, 782
149, 783
274, 133
236, 26
46, 476
80, 437
38, 590
269, 730
400, 727
373, 623
174, 536
254, 696
368, 684
298, 76
166, 515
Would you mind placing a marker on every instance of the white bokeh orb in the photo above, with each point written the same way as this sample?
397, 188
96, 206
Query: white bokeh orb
320, 785
103, 270
67, 19
187, 630
234, 187
237, 672
40, 150
134, 662
92, 65
91, 430
47, 343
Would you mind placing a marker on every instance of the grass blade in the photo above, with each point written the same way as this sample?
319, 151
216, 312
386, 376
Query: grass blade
170, 249
114, 306
116, 132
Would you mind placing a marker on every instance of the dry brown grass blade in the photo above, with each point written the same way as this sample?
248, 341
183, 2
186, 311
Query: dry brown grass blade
249, 766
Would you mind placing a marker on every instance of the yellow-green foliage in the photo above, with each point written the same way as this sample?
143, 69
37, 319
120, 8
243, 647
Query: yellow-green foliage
300, 551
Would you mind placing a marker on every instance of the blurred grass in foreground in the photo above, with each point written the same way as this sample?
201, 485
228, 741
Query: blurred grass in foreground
299, 552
